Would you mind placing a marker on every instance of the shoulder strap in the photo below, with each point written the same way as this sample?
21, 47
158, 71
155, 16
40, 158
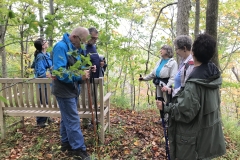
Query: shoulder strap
186, 66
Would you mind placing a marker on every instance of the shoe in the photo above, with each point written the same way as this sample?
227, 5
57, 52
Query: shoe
50, 120
42, 124
79, 154
66, 147
159, 121
88, 126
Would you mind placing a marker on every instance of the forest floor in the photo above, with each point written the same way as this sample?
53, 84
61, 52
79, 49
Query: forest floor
133, 135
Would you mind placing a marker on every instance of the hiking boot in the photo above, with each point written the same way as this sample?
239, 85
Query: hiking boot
50, 120
66, 147
42, 124
79, 154
159, 121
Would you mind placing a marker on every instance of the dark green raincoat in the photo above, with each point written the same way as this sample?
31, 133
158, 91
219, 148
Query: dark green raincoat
195, 129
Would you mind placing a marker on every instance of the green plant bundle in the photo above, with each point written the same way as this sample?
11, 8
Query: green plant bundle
77, 68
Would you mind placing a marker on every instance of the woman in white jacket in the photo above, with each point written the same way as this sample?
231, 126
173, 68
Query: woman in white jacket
164, 72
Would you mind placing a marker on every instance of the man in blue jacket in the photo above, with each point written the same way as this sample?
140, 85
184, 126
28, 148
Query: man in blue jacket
66, 89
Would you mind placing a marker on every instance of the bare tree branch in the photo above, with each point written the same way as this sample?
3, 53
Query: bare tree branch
235, 73
151, 36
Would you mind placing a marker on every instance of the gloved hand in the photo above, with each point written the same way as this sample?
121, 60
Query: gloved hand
140, 78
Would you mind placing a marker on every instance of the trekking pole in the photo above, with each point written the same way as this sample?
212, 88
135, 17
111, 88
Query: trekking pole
90, 104
139, 90
165, 131
95, 98
95, 107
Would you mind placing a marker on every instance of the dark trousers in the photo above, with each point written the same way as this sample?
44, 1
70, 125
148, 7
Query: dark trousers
42, 119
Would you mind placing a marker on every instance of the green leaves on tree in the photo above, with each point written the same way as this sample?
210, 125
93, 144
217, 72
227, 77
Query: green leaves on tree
11, 14
77, 68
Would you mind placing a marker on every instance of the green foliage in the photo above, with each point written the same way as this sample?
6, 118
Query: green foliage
3, 99
232, 133
122, 102
11, 14
77, 68
226, 84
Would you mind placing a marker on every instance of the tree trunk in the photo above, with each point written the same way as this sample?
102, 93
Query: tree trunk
51, 12
41, 19
211, 24
3, 53
197, 18
3, 28
184, 6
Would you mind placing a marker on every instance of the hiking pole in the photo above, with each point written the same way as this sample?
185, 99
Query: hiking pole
90, 103
139, 90
165, 130
95, 107
94, 98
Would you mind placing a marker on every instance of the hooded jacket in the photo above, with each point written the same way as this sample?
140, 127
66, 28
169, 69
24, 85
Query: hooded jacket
42, 63
195, 129
168, 71
66, 86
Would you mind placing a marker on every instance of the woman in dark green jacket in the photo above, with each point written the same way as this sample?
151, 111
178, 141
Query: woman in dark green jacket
195, 128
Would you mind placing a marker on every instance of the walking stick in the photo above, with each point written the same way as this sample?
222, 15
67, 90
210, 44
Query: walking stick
139, 90
91, 109
165, 130
90, 105
95, 99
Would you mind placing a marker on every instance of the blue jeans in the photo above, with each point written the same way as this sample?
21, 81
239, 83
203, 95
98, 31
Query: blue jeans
70, 123
42, 119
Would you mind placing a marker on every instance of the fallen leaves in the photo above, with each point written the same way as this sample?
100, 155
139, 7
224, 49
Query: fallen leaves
133, 135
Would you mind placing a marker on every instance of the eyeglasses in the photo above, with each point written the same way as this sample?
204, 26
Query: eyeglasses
81, 40
94, 38
44, 42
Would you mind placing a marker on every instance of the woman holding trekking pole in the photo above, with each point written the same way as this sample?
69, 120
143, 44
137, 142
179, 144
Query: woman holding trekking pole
164, 72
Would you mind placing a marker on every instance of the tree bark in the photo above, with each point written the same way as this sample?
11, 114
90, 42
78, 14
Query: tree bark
3, 28
41, 19
211, 24
51, 12
197, 18
184, 7
3, 52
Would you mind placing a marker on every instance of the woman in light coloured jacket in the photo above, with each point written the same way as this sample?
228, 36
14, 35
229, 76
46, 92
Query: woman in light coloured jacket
164, 72
195, 128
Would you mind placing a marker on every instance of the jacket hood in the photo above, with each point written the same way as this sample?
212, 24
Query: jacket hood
207, 75
67, 40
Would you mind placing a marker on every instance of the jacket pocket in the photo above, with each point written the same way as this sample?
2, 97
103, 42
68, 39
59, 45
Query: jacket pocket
185, 148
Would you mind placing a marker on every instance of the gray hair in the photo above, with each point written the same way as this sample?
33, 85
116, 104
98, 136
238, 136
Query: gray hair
168, 49
92, 29
183, 41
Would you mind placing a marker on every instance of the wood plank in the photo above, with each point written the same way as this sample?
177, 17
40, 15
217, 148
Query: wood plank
48, 87
43, 95
27, 99
37, 95
31, 94
4, 94
20, 93
15, 93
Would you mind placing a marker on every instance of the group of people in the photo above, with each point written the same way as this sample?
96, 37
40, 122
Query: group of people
65, 88
195, 128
